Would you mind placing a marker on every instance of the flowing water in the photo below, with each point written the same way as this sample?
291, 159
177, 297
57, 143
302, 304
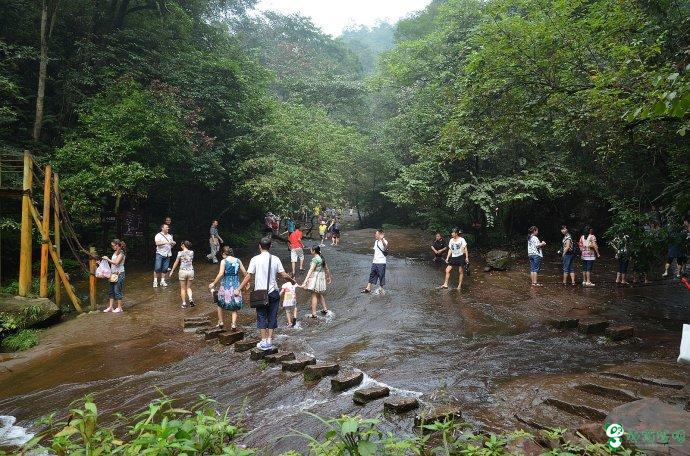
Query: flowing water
438, 345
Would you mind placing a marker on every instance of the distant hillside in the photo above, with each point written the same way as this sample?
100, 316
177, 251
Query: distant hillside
368, 42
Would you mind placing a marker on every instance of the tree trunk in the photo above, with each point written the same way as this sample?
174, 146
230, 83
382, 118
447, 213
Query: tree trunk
48, 13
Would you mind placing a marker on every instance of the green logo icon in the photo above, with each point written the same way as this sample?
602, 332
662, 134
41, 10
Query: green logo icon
614, 432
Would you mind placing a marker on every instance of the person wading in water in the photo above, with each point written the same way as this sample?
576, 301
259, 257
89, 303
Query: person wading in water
457, 256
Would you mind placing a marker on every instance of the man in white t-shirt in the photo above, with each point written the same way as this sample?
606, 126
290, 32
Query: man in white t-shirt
266, 316
164, 244
378, 265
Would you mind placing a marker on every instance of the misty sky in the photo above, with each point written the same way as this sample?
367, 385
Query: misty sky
334, 15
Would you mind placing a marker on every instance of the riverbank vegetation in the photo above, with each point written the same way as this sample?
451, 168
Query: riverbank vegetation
163, 428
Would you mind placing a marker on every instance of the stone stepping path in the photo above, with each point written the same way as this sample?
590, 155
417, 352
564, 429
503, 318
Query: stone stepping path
346, 380
279, 357
400, 404
229, 338
298, 364
593, 326
314, 372
257, 354
365, 395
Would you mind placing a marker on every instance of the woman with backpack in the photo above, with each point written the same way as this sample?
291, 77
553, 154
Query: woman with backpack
590, 252
568, 253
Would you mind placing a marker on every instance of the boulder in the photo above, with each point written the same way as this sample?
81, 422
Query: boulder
620, 332
319, 370
346, 381
441, 414
365, 395
498, 260
257, 354
563, 322
246, 344
592, 326
298, 364
400, 404
229, 338
280, 357
29, 312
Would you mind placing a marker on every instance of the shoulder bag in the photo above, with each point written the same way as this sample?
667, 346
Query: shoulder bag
259, 298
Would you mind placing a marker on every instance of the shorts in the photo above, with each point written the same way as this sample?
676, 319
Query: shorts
336, 234
534, 263
186, 274
116, 289
267, 316
568, 263
296, 254
457, 261
587, 265
378, 273
289, 304
623, 264
162, 264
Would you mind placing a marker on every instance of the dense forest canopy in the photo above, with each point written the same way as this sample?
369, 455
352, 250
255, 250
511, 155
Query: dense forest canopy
499, 113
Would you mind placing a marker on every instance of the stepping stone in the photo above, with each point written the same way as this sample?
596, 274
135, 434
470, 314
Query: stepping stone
563, 323
441, 414
400, 404
298, 364
280, 357
346, 380
196, 323
229, 338
319, 370
585, 411
257, 354
620, 332
365, 395
213, 333
592, 326
246, 344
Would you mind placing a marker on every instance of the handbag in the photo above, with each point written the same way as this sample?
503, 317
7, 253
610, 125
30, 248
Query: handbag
114, 277
259, 298
384, 252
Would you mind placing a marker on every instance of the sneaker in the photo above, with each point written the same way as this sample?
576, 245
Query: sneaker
184, 305
164, 283
109, 309
260, 344
191, 304
665, 274
155, 284
117, 311
267, 346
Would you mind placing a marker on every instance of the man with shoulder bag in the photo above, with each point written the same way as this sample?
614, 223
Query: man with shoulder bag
265, 268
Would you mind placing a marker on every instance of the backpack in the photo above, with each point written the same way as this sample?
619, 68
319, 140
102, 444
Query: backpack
575, 248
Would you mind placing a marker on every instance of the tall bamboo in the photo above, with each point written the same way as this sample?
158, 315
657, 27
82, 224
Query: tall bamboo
56, 231
43, 278
25, 245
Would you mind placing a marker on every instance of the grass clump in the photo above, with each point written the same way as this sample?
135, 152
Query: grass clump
21, 340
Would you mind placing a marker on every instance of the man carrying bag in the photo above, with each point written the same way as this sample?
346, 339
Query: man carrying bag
264, 268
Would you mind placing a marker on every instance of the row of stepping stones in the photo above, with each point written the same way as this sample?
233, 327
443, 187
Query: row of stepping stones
593, 326
314, 371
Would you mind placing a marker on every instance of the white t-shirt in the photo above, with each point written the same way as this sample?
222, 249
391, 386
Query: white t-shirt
289, 294
457, 248
533, 248
587, 243
379, 257
258, 267
164, 250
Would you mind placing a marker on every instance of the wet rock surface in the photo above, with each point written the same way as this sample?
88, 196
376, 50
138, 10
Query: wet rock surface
256, 354
246, 344
592, 326
280, 357
213, 333
231, 337
498, 260
317, 371
620, 332
346, 380
400, 404
440, 414
563, 322
298, 364
364, 395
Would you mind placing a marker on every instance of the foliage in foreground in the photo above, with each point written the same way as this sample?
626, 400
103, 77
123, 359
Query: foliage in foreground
164, 429
22, 340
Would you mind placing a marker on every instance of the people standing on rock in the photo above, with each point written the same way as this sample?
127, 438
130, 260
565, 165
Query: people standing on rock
534, 246
230, 291
317, 278
265, 278
378, 265
164, 244
296, 249
457, 256
214, 242
116, 283
185, 259
322, 232
289, 293
439, 247
590, 252
620, 246
567, 255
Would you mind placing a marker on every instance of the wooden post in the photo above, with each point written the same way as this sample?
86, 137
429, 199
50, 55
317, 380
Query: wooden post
43, 284
56, 231
92, 278
25, 245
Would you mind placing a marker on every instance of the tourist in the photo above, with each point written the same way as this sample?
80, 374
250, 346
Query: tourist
457, 256
620, 246
567, 255
168, 221
316, 280
214, 242
265, 278
590, 252
378, 265
296, 249
230, 292
336, 231
534, 246
185, 259
439, 247
685, 274
164, 244
675, 252
116, 285
289, 293
322, 232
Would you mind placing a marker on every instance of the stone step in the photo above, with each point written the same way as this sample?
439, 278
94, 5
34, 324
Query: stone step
545, 417
592, 326
280, 357
298, 364
246, 344
666, 383
441, 414
563, 322
635, 388
229, 338
400, 404
366, 395
213, 333
658, 373
196, 323
257, 354
346, 380
608, 392
621, 332
574, 406
317, 371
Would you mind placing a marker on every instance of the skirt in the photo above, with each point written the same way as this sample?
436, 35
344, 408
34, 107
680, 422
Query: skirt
317, 282
227, 299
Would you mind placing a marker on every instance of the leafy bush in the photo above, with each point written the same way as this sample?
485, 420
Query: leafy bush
23, 339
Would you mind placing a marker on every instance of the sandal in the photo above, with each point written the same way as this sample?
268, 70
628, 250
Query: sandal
184, 306
219, 326
191, 304
365, 291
